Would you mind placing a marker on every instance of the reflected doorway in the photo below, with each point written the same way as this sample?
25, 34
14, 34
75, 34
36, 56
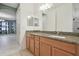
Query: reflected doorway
7, 26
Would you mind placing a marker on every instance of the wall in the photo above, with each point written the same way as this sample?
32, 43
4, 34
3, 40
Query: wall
8, 13
49, 20
26, 10
18, 24
37, 13
59, 18
76, 17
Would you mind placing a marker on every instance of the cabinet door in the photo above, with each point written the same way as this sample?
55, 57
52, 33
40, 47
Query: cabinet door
77, 50
58, 52
65, 46
45, 49
64, 18
32, 45
36, 47
36, 51
27, 42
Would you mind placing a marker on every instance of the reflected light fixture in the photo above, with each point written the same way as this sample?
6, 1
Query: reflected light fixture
29, 17
46, 6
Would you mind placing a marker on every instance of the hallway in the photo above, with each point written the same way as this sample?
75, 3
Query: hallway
8, 44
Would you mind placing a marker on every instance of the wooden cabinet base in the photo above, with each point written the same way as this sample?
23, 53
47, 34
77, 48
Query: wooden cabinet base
43, 46
27, 43
77, 50
45, 50
32, 45
58, 52
36, 51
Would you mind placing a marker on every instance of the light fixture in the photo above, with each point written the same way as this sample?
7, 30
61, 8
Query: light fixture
29, 17
46, 6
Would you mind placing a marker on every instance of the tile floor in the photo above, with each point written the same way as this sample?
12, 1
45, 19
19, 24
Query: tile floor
8, 43
24, 52
10, 47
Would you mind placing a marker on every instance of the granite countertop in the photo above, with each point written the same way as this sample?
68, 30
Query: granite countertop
68, 38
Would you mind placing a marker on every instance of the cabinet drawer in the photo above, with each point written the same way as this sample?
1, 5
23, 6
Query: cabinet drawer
46, 40
65, 46
36, 43
36, 37
58, 52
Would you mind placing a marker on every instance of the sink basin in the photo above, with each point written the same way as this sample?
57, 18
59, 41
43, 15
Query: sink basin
56, 36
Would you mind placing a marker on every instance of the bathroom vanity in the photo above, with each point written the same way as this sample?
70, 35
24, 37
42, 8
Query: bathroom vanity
43, 44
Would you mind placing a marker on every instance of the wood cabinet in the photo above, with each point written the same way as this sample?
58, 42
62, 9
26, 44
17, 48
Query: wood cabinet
59, 52
32, 44
67, 47
36, 51
44, 46
45, 49
27, 42
77, 50
37, 45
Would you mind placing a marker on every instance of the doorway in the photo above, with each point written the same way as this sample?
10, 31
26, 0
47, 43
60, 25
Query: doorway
8, 38
7, 26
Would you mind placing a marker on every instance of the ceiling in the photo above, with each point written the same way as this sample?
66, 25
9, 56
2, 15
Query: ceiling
14, 5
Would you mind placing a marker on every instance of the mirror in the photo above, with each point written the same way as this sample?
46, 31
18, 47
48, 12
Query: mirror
63, 17
32, 21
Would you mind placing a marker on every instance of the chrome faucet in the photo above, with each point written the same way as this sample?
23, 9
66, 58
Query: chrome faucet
58, 32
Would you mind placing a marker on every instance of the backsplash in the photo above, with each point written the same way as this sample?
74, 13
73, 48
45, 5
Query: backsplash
54, 32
